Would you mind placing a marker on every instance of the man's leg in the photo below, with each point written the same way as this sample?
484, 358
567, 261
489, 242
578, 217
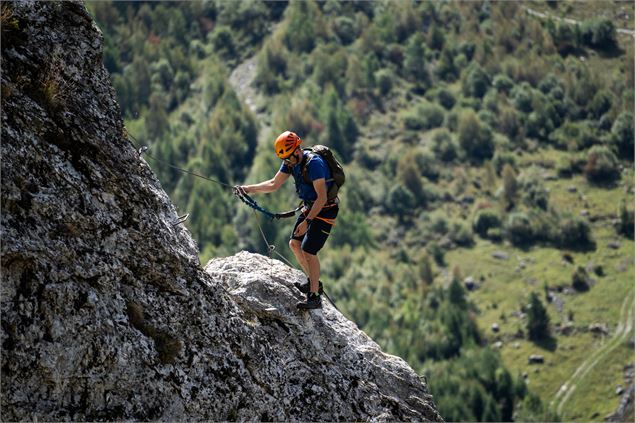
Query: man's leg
296, 247
313, 264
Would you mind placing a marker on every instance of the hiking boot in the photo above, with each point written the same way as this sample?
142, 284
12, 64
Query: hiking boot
313, 300
304, 287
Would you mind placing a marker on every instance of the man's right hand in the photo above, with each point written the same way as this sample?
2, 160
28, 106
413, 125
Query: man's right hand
239, 190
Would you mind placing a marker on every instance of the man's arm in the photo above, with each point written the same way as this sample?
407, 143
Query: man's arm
270, 185
320, 188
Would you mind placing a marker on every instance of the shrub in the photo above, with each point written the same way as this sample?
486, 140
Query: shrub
599, 33
485, 220
223, 41
423, 116
384, 78
626, 225
444, 146
345, 29
574, 136
415, 67
501, 158
475, 138
522, 97
518, 229
461, 234
510, 187
575, 233
623, 135
569, 165
476, 82
601, 103
503, 83
601, 166
508, 122
446, 98
533, 190
549, 83
580, 279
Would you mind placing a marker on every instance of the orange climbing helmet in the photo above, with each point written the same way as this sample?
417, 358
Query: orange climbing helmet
286, 143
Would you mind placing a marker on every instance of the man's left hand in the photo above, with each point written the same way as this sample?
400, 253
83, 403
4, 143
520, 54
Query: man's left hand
301, 229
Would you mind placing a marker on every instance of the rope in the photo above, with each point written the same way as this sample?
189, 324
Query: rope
143, 150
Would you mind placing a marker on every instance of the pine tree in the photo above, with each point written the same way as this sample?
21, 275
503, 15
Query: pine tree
537, 319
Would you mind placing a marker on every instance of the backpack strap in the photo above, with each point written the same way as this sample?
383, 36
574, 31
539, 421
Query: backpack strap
305, 167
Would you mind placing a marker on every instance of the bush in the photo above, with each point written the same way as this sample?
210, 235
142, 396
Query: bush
461, 234
580, 279
475, 138
476, 82
533, 190
485, 220
446, 98
574, 136
522, 97
503, 83
626, 225
599, 33
345, 29
509, 122
575, 233
444, 146
423, 116
384, 78
501, 158
601, 166
601, 103
569, 165
623, 135
518, 229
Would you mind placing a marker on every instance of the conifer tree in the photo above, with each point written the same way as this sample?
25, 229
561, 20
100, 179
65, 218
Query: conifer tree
537, 319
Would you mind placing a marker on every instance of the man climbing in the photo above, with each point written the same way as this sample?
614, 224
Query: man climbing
314, 223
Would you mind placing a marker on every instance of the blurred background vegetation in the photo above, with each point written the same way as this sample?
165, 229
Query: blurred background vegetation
488, 210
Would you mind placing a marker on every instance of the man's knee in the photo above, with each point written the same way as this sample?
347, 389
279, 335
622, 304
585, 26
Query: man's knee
294, 244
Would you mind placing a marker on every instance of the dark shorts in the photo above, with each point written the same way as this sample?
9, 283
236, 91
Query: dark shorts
319, 230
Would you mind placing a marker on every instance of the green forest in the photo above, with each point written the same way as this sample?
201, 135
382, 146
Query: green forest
488, 147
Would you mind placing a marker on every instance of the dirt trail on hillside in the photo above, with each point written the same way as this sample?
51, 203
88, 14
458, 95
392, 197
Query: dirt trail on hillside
623, 330
572, 21
241, 80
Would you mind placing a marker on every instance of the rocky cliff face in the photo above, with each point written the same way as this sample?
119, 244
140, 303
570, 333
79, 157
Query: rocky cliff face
106, 311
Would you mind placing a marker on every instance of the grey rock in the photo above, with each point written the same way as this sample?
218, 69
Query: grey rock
500, 255
495, 328
572, 188
106, 311
615, 245
599, 328
536, 359
469, 283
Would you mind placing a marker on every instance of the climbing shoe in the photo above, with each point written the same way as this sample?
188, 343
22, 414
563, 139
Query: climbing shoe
304, 287
313, 300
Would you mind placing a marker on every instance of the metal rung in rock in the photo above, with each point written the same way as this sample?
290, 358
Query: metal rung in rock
181, 219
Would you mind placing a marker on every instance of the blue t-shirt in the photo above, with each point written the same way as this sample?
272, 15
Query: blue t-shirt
317, 168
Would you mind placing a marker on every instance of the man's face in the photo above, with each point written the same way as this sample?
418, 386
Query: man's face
292, 160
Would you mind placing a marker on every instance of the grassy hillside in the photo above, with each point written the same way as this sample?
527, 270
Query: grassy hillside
485, 146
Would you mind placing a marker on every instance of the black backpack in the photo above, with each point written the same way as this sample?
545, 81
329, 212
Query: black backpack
337, 172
